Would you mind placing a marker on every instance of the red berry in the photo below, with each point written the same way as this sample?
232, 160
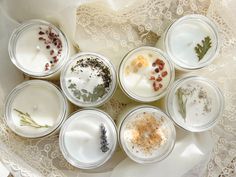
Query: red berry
47, 65
51, 52
155, 86
161, 67
152, 78
159, 79
159, 62
163, 74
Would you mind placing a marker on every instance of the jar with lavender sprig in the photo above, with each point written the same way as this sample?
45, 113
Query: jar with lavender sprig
88, 138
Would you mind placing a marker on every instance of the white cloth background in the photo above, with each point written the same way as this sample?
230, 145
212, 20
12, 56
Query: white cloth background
112, 28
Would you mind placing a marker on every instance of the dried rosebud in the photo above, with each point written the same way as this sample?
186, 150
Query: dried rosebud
159, 62
163, 74
152, 78
161, 67
159, 79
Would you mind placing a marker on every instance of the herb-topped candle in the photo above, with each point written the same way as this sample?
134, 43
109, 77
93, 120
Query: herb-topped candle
194, 103
88, 79
39, 49
192, 42
35, 108
88, 138
146, 134
145, 73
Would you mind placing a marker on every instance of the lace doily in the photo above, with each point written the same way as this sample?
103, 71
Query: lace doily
116, 32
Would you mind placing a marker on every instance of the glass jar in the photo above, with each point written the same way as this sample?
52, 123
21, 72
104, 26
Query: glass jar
146, 134
184, 37
88, 139
36, 108
145, 73
39, 49
88, 79
194, 103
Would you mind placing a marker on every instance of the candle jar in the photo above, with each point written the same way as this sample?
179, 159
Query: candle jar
39, 49
145, 73
146, 134
36, 108
192, 42
88, 79
88, 138
194, 103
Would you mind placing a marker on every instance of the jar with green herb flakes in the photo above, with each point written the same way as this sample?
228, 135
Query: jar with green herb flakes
194, 103
88, 79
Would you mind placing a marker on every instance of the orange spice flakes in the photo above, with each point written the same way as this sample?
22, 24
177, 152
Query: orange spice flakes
138, 63
146, 133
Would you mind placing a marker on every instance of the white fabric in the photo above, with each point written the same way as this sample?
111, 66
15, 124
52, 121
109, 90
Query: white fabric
112, 28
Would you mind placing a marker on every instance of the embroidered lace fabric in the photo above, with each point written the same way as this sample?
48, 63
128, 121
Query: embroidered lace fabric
117, 31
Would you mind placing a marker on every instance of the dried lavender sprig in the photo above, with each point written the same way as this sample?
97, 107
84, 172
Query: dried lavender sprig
104, 144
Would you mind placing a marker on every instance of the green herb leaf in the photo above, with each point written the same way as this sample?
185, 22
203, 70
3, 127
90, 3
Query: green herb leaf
26, 120
201, 50
72, 86
182, 100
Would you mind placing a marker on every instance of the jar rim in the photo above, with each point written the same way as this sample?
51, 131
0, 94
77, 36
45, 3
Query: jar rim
212, 84
135, 96
69, 157
172, 135
202, 19
107, 63
60, 119
12, 47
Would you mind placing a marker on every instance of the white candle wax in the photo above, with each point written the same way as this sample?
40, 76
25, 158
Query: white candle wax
38, 48
80, 139
42, 101
146, 134
183, 36
145, 73
195, 103
88, 79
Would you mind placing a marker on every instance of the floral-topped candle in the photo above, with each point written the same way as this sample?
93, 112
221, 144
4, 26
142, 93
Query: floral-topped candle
194, 103
88, 138
145, 73
39, 49
146, 134
36, 108
192, 42
88, 79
